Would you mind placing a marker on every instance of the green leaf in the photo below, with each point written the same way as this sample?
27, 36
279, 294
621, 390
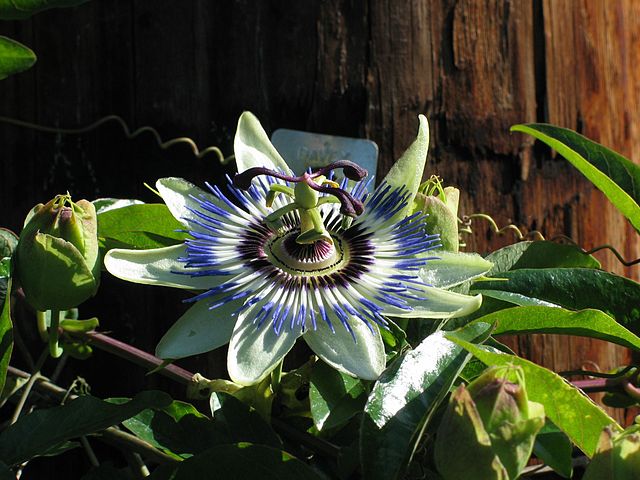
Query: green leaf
243, 424
584, 323
575, 289
21, 9
403, 400
515, 298
181, 431
8, 242
451, 269
244, 461
553, 447
334, 397
570, 409
14, 56
6, 326
39, 431
407, 171
178, 429
105, 204
541, 254
140, 226
615, 176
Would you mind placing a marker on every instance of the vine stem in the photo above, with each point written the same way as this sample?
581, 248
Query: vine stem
29, 386
146, 360
54, 347
111, 435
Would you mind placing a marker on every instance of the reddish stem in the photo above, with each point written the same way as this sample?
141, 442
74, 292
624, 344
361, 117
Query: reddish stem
137, 356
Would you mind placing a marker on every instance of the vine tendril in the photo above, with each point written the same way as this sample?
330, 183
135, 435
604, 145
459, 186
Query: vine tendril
164, 145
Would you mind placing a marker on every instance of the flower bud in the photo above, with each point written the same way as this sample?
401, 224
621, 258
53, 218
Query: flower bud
443, 215
488, 429
617, 455
57, 259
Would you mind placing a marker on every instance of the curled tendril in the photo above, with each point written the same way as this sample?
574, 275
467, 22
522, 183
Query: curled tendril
164, 145
618, 255
468, 219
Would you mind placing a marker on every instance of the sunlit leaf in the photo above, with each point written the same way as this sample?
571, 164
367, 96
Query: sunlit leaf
576, 289
404, 399
138, 226
20, 9
14, 56
6, 325
584, 323
615, 176
569, 408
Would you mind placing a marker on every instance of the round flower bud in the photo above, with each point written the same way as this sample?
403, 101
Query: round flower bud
617, 455
57, 261
491, 422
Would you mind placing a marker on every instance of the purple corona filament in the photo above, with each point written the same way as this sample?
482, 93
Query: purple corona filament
350, 206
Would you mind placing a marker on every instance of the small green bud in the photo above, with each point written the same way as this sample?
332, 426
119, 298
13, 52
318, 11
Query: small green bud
57, 259
443, 215
617, 455
488, 429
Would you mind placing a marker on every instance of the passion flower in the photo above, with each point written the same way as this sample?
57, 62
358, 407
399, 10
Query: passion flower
294, 256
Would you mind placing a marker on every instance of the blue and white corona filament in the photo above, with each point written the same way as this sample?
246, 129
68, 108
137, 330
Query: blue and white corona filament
282, 256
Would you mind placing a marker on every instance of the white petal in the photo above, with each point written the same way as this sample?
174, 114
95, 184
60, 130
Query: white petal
199, 330
177, 192
452, 269
408, 170
253, 148
254, 352
438, 303
364, 358
156, 267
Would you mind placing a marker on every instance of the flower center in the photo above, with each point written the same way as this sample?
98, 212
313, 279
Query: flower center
316, 258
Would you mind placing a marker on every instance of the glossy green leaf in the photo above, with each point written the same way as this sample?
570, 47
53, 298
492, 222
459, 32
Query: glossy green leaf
554, 448
105, 204
14, 56
6, 325
450, 269
8, 242
570, 409
181, 431
407, 171
514, 298
575, 289
614, 175
20, 9
403, 400
178, 429
540, 254
39, 431
244, 461
139, 226
334, 397
584, 323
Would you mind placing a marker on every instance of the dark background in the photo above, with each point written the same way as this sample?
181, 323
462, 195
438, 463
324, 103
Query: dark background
351, 68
